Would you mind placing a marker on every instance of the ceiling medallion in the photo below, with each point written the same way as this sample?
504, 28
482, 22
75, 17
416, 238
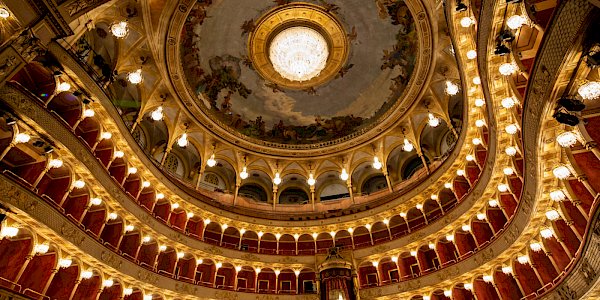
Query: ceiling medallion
298, 46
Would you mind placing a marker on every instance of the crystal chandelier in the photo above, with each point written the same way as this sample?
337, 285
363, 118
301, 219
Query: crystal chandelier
516, 21
433, 121
135, 77
344, 175
561, 172
244, 173
451, 88
408, 146
157, 114
119, 29
590, 90
299, 53
183, 141
508, 69
211, 162
509, 102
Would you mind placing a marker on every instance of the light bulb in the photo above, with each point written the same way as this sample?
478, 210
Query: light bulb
311, 180
211, 162
509, 102
479, 102
277, 179
160, 196
448, 293
547, 233
157, 114
386, 221
477, 80
508, 171
147, 239
376, 163
135, 77
22, 138
468, 286
507, 270
448, 185
368, 226
508, 69
493, 203
408, 146
344, 175
558, 196
535, 247
476, 141
132, 170
419, 206
87, 274
129, 228
567, 139
511, 151
460, 172
63, 87
206, 221
488, 278
148, 297
450, 237
257, 270
78, 184
41, 248
244, 173
561, 172
113, 216
431, 246
95, 201
552, 215
224, 226
4, 13
180, 255
590, 90
119, 29
466, 227
65, 262
451, 88
395, 258
470, 157
350, 230
297, 272
183, 140
466, 22
375, 264
55, 163
260, 234
515, 22
238, 268
413, 253
433, 121
511, 129
119, 154
162, 248
106, 135
190, 215
127, 291
471, 54
503, 188
146, 184
480, 123
434, 197
88, 113
481, 216
175, 206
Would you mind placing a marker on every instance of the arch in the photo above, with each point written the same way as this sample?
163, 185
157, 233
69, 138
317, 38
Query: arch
250, 241
373, 184
268, 244
231, 238
293, 195
37, 79
306, 244
254, 191
287, 245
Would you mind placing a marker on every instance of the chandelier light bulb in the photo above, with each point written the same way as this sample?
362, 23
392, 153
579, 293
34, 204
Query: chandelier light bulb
479, 102
451, 88
433, 121
448, 293
129, 228
238, 268
468, 286
552, 215
466, 227
146, 239
480, 123
119, 154
507, 270
508, 171
157, 114
488, 278
183, 140
162, 248
481, 216
460, 172
502, 188
516, 21
113, 216
450, 237
106, 135
510, 151
41, 248
78, 184
470, 157
190, 215
175, 205
9, 231
4, 13
590, 90
547, 233
558, 196
493, 203
344, 175
408, 146
119, 29
477, 80
132, 170
512, 129
311, 180
146, 184
148, 297
567, 139
471, 54
299, 53
63, 87
431, 246
413, 253
277, 179
88, 113
22, 138
536, 247
160, 196
65, 262
508, 69
509, 102
135, 77
395, 258
55, 163
561, 172
419, 206
211, 162
180, 255
127, 291
466, 22
206, 221
377, 165
448, 185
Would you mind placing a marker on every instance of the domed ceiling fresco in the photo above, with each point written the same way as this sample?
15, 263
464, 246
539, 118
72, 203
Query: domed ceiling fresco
372, 56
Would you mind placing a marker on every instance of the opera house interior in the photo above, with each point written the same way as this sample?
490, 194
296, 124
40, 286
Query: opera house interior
309, 150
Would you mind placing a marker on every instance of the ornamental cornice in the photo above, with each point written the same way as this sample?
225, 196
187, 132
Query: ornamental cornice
57, 228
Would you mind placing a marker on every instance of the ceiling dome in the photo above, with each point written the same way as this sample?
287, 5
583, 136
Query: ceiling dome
298, 78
